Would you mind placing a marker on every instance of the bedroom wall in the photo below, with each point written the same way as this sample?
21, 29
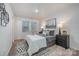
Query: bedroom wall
18, 28
69, 18
6, 34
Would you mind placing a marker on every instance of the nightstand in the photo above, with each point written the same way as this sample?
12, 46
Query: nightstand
62, 40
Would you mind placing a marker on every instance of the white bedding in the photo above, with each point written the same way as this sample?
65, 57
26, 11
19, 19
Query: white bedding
35, 43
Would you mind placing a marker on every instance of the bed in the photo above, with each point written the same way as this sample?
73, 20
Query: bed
35, 43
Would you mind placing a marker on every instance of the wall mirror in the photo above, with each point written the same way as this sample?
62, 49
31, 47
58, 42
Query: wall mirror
4, 16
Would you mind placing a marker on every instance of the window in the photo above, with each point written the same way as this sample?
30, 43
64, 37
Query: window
25, 26
33, 26
29, 26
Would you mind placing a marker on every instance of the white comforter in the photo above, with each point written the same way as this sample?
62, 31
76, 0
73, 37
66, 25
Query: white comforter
35, 43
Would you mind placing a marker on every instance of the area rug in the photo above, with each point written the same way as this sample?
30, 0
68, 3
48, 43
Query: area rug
55, 50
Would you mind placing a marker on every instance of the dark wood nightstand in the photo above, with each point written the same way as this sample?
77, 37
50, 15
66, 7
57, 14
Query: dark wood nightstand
63, 40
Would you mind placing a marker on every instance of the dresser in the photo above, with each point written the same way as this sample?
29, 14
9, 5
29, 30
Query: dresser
62, 40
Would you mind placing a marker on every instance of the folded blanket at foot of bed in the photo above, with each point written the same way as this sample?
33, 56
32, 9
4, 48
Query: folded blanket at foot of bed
35, 42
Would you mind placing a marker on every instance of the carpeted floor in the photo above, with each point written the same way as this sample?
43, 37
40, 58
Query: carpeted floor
55, 50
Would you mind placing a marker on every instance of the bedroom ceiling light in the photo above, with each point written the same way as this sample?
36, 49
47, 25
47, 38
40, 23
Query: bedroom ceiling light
36, 10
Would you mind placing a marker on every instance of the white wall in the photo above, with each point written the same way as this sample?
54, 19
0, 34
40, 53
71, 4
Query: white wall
6, 34
70, 16
18, 27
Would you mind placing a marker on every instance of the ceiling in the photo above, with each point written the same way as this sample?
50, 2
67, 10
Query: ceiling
46, 10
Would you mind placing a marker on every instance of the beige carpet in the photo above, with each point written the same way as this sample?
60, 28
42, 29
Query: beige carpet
56, 51
20, 49
51, 51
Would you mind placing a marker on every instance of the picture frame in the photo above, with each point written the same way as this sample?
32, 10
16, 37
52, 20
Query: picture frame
51, 23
